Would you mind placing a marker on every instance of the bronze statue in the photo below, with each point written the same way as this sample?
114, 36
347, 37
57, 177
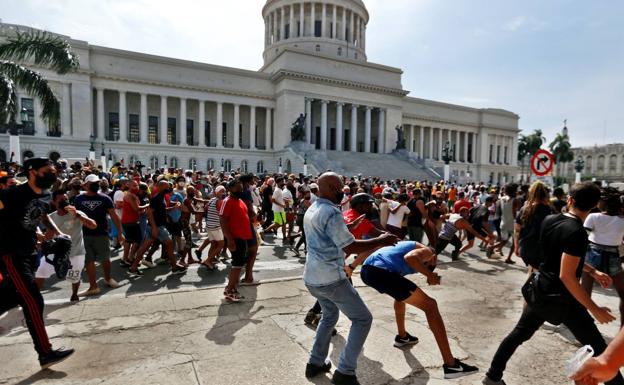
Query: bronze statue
400, 144
297, 131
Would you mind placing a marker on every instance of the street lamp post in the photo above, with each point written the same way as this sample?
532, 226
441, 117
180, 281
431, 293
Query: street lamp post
110, 159
92, 148
305, 164
280, 166
14, 139
446, 157
579, 165
222, 165
103, 158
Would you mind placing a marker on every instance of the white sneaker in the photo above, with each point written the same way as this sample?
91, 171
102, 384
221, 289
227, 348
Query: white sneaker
112, 283
89, 292
147, 263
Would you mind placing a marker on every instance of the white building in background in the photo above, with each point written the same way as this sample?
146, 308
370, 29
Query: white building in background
601, 162
145, 107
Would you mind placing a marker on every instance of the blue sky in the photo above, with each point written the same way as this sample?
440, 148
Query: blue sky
545, 60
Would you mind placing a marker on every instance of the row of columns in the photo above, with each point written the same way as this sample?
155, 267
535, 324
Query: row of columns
143, 121
502, 143
275, 24
461, 154
353, 128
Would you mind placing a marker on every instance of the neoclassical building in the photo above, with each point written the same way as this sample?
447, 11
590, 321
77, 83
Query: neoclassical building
166, 111
601, 162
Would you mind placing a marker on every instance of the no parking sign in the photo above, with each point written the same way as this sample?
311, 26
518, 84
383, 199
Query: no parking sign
542, 163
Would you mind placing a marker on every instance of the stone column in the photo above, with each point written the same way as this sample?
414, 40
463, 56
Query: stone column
41, 125
457, 145
440, 140
267, 31
123, 118
339, 131
412, 132
100, 114
367, 130
351, 26
267, 130
182, 130
252, 127
282, 23
237, 125
308, 121
274, 26
324, 20
201, 125
421, 141
357, 31
324, 124
334, 29
381, 132
163, 119
301, 19
431, 142
344, 24
312, 16
353, 133
291, 27
476, 147
514, 157
66, 119
219, 125
143, 119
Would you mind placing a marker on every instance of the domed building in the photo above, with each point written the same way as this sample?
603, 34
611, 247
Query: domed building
353, 112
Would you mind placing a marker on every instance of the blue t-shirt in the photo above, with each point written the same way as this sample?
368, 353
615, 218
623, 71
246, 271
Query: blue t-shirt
392, 258
96, 207
175, 214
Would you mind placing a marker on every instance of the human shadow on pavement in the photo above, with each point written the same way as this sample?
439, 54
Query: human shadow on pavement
232, 317
45, 374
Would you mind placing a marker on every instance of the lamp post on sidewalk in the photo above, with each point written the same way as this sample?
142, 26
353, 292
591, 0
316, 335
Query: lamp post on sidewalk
91, 148
305, 164
103, 158
14, 139
446, 157
579, 165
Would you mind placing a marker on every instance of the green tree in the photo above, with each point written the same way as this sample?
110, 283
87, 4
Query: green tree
561, 150
529, 145
39, 49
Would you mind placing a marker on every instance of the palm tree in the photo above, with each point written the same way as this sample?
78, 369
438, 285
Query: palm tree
529, 145
39, 49
560, 147
523, 151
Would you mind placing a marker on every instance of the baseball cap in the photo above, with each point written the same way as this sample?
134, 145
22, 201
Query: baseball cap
91, 178
34, 164
313, 186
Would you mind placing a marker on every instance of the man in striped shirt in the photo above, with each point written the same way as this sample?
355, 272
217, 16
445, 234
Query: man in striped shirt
213, 228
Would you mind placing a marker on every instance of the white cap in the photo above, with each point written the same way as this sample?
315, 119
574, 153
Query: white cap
92, 178
314, 186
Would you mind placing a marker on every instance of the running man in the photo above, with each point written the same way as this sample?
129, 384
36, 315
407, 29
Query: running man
448, 234
385, 271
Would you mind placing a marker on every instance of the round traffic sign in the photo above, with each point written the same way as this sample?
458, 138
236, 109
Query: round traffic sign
542, 162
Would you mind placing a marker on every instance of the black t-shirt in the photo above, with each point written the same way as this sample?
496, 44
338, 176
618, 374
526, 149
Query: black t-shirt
415, 216
560, 234
267, 193
96, 207
559, 204
159, 209
22, 213
478, 216
528, 239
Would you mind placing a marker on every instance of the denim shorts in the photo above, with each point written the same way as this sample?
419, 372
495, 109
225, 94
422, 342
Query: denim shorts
604, 260
163, 234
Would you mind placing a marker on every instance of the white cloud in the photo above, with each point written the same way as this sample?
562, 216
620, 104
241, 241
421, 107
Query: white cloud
514, 24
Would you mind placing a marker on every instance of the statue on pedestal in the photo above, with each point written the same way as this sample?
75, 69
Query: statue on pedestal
400, 144
297, 130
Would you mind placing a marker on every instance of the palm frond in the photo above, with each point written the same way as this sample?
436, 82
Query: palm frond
34, 84
8, 99
42, 48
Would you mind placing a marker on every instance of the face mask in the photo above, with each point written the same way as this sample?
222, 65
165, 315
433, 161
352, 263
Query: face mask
94, 187
46, 180
339, 196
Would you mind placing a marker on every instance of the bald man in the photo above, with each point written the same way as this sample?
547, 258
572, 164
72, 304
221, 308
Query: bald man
325, 277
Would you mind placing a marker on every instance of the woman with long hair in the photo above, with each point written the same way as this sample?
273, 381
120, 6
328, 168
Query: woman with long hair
606, 233
528, 223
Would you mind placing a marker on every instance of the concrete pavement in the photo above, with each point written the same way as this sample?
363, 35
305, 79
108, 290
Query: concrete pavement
189, 336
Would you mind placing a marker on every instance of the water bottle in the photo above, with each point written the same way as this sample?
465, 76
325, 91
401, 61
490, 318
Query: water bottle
574, 364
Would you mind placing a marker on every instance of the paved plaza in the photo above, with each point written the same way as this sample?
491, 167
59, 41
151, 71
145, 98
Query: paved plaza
162, 329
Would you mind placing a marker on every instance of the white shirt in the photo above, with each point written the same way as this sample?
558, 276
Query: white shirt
288, 198
118, 197
396, 219
279, 198
605, 229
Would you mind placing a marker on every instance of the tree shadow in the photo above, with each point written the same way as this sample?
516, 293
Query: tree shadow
232, 317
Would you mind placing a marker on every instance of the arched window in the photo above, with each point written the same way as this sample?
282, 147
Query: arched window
600, 168
154, 163
210, 164
339, 51
244, 166
192, 164
588, 165
27, 155
133, 160
54, 156
173, 162
3, 157
318, 48
227, 167
288, 166
612, 164
260, 167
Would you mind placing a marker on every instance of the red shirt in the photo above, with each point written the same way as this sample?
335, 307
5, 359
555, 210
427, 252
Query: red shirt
235, 211
377, 190
461, 203
360, 230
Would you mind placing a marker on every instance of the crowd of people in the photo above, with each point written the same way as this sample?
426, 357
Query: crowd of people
391, 228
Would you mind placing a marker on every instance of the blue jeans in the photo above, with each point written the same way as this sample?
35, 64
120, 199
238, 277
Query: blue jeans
335, 298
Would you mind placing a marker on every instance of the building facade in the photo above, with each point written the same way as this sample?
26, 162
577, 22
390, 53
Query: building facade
185, 114
601, 162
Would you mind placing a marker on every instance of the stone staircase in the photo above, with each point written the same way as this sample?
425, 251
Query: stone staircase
386, 166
